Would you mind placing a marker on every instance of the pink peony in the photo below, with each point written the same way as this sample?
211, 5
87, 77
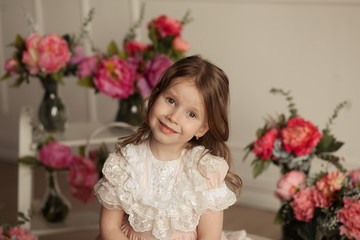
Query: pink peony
180, 45
263, 146
115, 78
300, 136
321, 200
330, 183
31, 55
78, 56
166, 26
82, 177
53, 53
289, 184
20, 234
152, 73
133, 47
355, 177
55, 155
349, 216
87, 66
303, 205
10, 66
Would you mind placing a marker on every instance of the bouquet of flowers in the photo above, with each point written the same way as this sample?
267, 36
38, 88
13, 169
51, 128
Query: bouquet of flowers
316, 206
130, 74
48, 58
14, 231
82, 176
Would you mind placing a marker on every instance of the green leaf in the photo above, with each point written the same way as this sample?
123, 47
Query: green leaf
19, 43
31, 161
82, 151
278, 219
58, 76
112, 49
86, 82
260, 165
328, 143
5, 76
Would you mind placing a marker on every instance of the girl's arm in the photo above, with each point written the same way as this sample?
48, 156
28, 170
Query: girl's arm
210, 226
110, 224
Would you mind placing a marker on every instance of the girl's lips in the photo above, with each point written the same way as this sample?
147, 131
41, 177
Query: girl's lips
166, 129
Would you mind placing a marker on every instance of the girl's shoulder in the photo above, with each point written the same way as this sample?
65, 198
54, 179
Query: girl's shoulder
206, 163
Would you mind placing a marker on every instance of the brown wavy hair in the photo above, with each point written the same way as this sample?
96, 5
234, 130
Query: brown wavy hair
213, 84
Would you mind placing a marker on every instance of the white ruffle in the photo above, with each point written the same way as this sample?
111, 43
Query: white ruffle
190, 196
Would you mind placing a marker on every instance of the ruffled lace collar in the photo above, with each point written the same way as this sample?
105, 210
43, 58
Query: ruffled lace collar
164, 196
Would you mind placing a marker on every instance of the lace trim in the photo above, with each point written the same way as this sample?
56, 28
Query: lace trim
189, 199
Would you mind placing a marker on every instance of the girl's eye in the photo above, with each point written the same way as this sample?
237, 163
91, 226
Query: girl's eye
170, 100
192, 115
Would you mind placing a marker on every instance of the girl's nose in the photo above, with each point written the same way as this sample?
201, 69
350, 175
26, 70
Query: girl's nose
173, 117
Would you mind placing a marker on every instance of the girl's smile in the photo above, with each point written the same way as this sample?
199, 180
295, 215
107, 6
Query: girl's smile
165, 129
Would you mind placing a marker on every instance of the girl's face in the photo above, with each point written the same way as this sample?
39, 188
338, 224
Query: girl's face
178, 114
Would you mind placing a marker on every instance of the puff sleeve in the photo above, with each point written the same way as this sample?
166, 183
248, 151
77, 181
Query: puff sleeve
105, 189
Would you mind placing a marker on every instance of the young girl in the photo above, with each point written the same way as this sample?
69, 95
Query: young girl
167, 181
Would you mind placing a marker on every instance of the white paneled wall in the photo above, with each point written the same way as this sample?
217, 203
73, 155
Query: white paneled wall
311, 47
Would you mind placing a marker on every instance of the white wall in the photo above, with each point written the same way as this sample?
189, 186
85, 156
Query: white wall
311, 47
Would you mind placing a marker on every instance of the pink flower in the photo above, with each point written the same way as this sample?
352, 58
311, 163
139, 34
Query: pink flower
300, 136
180, 45
330, 183
87, 66
152, 73
166, 26
53, 53
2, 236
349, 216
115, 78
82, 176
55, 155
20, 234
321, 200
31, 55
264, 145
78, 57
355, 177
303, 205
10, 66
289, 184
133, 47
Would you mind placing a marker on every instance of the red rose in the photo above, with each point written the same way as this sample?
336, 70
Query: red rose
166, 26
264, 145
300, 136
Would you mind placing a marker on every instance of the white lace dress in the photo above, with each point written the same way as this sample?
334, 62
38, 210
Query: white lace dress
164, 199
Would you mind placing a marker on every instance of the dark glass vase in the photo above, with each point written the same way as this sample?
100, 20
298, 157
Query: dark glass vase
130, 110
52, 114
55, 207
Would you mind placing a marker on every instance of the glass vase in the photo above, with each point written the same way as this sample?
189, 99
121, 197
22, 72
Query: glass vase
52, 114
55, 206
130, 110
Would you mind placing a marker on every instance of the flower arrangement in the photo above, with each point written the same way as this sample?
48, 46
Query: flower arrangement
14, 231
47, 57
82, 171
130, 74
318, 206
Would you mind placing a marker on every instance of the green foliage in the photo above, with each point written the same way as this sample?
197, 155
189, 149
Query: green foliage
291, 106
86, 82
112, 49
260, 165
30, 161
341, 105
328, 143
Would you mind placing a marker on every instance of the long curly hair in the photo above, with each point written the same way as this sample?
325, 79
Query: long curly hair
213, 84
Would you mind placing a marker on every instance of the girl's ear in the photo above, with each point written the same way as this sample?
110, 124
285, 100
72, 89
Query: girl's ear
202, 131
